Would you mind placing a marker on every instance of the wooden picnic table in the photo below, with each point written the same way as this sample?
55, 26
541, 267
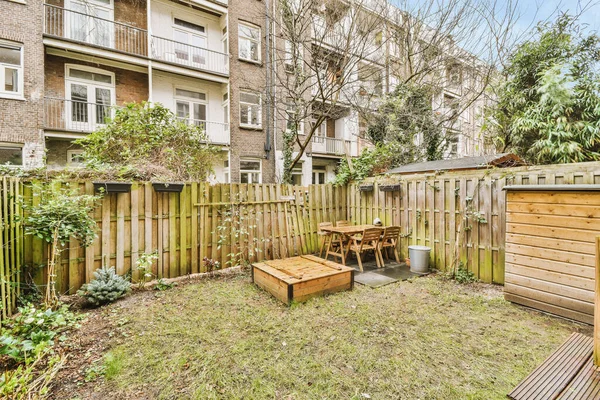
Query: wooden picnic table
343, 232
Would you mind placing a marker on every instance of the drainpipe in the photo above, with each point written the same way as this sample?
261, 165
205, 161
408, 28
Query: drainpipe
149, 48
268, 78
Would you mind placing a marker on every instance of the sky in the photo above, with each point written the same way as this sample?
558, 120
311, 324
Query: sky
533, 11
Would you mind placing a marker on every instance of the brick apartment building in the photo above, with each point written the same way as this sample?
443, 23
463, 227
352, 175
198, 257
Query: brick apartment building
66, 64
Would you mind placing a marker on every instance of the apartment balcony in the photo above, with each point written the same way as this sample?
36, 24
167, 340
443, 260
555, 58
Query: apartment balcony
332, 146
79, 117
189, 56
217, 132
75, 116
92, 31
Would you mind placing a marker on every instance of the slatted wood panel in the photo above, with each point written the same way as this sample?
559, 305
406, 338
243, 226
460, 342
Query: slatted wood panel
184, 227
432, 211
551, 251
11, 244
563, 375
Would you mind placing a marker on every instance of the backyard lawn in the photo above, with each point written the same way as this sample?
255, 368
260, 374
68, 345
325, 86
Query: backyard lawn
224, 338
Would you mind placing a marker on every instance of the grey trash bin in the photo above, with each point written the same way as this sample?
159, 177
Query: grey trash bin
419, 259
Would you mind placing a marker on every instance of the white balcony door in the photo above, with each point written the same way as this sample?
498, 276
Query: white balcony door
90, 22
90, 96
191, 106
190, 43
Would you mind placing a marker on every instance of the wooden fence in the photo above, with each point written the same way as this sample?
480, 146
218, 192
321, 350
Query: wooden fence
459, 214
11, 244
186, 227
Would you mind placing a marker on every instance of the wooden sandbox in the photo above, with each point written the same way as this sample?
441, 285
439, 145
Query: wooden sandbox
300, 278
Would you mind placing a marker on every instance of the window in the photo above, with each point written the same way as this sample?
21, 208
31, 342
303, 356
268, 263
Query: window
226, 171
90, 95
191, 106
292, 124
11, 155
75, 157
297, 175
225, 105
318, 175
90, 21
250, 110
190, 42
452, 138
11, 70
249, 43
250, 171
292, 61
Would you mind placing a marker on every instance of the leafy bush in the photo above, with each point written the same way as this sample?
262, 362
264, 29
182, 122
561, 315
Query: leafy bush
368, 163
61, 215
147, 141
464, 276
144, 267
32, 331
163, 285
105, 288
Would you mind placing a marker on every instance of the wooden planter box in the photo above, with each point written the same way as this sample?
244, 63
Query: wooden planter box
168, 187
303, 277
112, 187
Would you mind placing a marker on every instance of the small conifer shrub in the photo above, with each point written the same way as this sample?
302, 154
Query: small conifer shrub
105, 288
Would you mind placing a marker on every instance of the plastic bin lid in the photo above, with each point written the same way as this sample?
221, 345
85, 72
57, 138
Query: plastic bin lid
419, 248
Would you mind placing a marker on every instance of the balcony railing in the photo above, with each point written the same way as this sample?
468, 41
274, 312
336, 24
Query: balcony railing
328, 145
189, 56
217, 132
75, 116
85, 28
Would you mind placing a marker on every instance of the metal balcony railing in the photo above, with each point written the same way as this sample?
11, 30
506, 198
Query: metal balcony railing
328, 145
89, 29
217, 132
189, 56
76, 116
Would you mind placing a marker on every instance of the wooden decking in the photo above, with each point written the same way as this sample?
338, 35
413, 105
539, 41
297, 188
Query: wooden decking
568, 374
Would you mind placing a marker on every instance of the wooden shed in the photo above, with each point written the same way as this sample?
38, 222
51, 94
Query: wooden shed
550, 248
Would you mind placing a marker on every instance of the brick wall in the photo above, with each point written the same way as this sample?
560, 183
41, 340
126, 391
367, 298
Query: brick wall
21, 120
247, 143
130, 85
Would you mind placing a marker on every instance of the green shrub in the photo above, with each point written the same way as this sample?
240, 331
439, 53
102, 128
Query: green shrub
105, 288
32, 331
463, 276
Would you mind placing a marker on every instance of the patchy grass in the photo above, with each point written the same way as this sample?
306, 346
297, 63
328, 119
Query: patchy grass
225, 338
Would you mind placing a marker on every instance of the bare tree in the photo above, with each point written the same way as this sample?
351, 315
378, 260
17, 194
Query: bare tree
334, 58
328, 62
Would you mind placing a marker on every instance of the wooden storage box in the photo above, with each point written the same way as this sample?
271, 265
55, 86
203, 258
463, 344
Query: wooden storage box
303, 277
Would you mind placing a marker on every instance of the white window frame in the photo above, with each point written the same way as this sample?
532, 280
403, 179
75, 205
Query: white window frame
226, 107
190, 101
241, 103
318, 170
71, 154
91, 4
289, 57
245, 40
248, 171
20, 72
91, 84
191, 49
298, 170
227, 170
287, 120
